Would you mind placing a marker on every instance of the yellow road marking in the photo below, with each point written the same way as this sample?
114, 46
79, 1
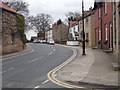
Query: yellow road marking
51, 74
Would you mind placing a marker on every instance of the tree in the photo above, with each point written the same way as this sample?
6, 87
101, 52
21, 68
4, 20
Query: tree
73, 15
19, 6
41, 22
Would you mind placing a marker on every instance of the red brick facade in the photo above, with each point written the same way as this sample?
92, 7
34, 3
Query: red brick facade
103, 25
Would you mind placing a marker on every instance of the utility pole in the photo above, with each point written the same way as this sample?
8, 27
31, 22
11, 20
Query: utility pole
83, 53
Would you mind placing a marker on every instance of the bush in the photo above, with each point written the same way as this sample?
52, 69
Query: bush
21, 27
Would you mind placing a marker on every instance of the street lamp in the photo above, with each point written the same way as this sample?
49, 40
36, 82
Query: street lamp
83, 53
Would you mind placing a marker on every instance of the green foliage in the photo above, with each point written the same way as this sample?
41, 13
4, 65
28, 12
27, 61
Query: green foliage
21, 27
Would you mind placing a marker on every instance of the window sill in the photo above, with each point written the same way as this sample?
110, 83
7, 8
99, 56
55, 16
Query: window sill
105, 14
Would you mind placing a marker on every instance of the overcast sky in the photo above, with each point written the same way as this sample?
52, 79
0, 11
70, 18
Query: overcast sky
57, 8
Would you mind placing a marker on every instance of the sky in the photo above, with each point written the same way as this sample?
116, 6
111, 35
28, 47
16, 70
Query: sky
56, 8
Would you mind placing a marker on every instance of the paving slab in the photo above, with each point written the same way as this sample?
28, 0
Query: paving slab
94, 68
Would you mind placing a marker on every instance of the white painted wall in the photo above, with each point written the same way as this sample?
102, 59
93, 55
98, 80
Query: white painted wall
72, 30
73, 43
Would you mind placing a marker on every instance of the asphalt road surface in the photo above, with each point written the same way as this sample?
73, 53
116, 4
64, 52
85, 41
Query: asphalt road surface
30, 70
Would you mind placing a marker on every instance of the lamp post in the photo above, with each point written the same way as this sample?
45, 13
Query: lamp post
83, 53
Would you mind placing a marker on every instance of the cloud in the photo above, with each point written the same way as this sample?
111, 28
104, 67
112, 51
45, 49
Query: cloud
56, 8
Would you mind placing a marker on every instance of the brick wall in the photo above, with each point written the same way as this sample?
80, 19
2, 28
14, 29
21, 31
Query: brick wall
105, 18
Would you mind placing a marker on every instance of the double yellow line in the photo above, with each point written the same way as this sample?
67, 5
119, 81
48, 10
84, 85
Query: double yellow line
52, 74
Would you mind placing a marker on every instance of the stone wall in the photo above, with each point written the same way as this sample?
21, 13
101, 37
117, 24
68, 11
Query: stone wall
11, 40
60, 32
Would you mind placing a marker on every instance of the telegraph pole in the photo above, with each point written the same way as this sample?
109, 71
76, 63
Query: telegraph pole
83, 53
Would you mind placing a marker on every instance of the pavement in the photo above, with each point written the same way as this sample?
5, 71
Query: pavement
93, 69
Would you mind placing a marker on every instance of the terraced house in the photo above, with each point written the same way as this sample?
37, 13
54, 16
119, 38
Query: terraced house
12, 30
60, 32
103, 25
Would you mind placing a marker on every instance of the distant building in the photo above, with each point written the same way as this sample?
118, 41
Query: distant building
41, 35
73, 30
60, 33
12, 41
48, 34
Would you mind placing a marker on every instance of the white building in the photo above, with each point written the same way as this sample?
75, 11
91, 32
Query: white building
48, 34
73, 30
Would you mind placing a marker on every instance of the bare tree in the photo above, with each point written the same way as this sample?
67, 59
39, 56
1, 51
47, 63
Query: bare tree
41, 22
19, 6
72, 15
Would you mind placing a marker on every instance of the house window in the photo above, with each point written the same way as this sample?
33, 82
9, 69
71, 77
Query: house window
99, 13
99, 29
86, 20
87, 35
106, 32
12, 38
105, 8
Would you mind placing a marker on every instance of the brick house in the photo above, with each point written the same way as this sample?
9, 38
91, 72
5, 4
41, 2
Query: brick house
60, 33
11, 37
103, 25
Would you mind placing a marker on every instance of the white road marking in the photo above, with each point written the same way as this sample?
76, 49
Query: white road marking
50, 53
45, 81
53, 49
36, 87
33, 60
4, 71
10, 84
8, 70
55, 75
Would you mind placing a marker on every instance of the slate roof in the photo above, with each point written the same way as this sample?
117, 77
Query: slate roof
8, 8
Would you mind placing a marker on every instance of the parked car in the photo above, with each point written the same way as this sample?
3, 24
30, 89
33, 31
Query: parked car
51, 42
35, 41
44, 41
40, 41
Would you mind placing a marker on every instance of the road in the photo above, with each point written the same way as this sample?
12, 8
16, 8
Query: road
30, 70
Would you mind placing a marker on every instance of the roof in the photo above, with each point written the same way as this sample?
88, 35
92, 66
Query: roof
97, 4
8, 8
73, 23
